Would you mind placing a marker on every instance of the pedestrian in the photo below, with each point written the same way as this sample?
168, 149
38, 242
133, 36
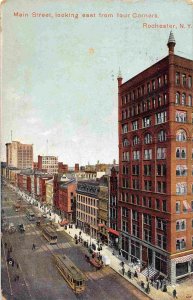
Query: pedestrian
148, 288
165, 288
5, 245
17, 265
129, 273
135, 274
152, 281
175, 294
161, 283
157, 284
122, 263
33, 247
147, 279
142, 284
13, 263
123, 270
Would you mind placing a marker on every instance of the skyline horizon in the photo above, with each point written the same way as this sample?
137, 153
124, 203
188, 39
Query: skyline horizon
64, 87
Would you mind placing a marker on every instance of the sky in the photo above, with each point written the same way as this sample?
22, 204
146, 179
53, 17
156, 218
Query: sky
59, 74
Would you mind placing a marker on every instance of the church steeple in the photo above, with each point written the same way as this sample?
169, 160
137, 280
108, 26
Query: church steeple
171, 43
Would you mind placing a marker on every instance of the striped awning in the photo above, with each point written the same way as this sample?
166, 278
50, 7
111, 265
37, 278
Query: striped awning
183, 259
186, 205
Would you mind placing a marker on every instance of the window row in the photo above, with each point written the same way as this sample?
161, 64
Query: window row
144, 106
184, 206
145, 89
144, 201
182, 188
183, 79
148, 139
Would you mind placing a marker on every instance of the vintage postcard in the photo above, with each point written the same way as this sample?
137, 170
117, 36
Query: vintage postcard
96, 149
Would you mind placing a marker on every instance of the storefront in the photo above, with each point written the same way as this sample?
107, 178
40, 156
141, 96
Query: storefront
183, 267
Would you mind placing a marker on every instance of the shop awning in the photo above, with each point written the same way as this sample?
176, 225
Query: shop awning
186, 205
183, 258
113, 231
64, 222
101, 225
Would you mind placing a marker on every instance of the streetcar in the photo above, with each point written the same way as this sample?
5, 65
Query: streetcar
30, 215
73, 276
50, 234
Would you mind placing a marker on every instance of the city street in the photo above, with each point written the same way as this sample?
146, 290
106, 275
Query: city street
38, 276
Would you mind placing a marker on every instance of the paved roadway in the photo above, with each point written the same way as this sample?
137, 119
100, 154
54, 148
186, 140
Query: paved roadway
38, 276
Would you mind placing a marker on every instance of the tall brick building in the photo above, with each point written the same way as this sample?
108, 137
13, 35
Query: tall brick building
19, 155
155, 214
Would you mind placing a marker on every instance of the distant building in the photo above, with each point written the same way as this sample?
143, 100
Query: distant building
76, 168
62, 168
113, 207
48, 163
19, 155
103, 199
87, 206
67, 198
49, 192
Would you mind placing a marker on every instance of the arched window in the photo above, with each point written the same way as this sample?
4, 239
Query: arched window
148, 138
125, 143
162, 136
181, 135
135, 140
177, 98
183, 99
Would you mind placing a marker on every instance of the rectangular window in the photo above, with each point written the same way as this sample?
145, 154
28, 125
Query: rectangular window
161, 153
148, 154
181, 188
146, 122
157, 204
153, 84
135, 215
124, 128
148, 87
136, 155
161, 170
181, 116
159, 81
180, 225
135, 169
164, 205
181, 170
189, 81
134, 125
180, 243
161, 117
177, 207
147, 219
147, 235
177, 78
184, 79
161, 187
181, 153
147, 185
135, 184
147, 170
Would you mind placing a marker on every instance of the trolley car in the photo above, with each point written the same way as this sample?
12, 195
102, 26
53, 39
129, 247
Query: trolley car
30, 214
50, 234
73, 276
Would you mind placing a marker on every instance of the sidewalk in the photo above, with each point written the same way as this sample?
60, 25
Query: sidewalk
184, 290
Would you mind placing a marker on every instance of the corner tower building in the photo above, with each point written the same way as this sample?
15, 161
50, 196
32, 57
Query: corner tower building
155, 214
